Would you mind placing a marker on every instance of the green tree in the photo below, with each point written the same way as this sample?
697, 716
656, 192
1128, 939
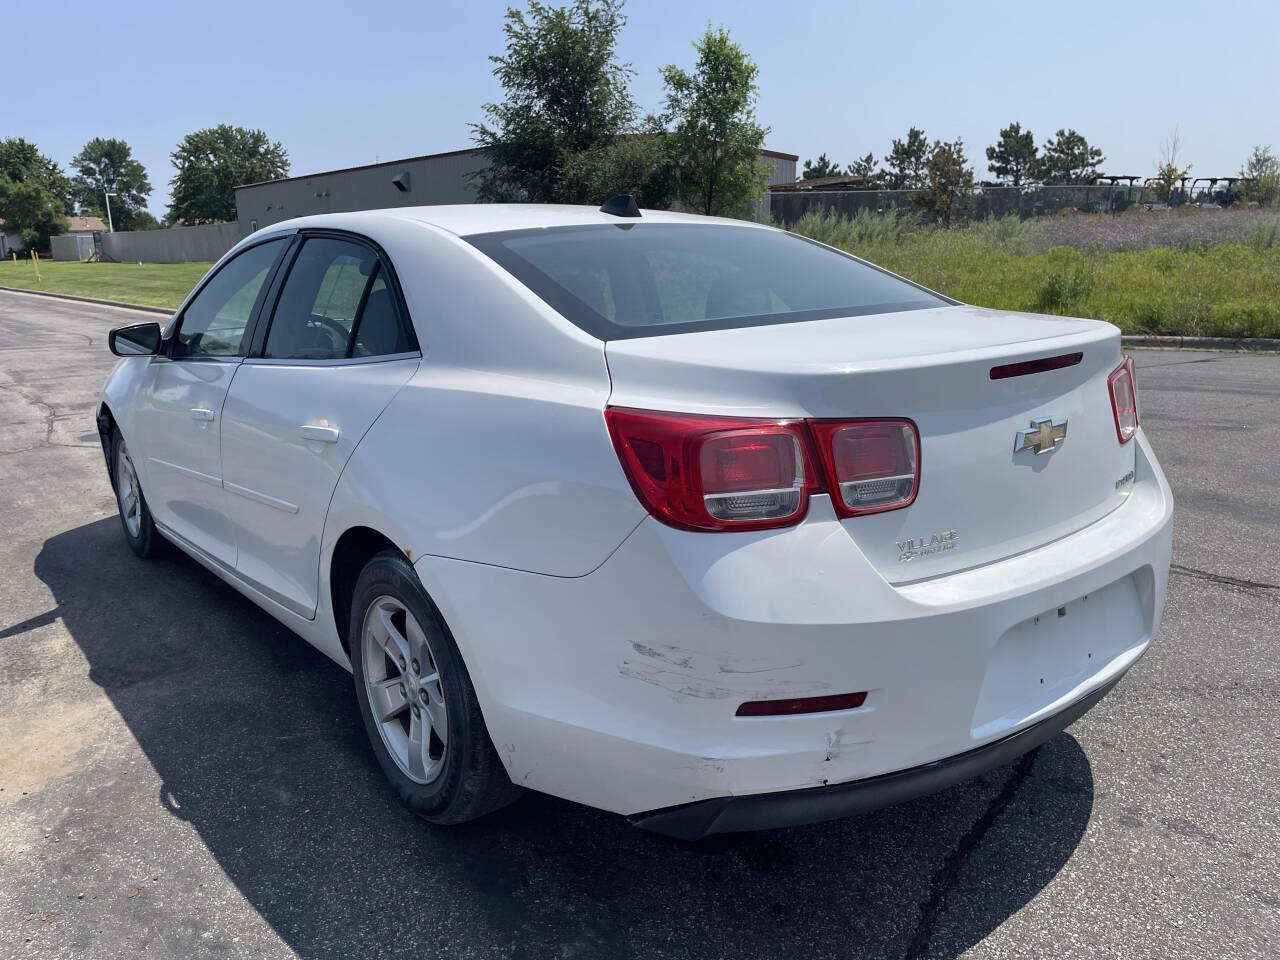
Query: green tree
1068, 159
907, 160
822, 167
108, 165
638, 163
143, 220
948, 180
34, 193
865, 167
558, 134
716, 138
212, 162
1013, 157
1261, 174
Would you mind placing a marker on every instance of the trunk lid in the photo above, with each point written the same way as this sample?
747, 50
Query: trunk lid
978, 499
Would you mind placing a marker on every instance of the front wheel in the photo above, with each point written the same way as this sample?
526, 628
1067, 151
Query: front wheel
135, 515
419, 708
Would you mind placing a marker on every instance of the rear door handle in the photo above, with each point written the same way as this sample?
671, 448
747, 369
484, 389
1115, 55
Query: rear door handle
323, 434
201, 413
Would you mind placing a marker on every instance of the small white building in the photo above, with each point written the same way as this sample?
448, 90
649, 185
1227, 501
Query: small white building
77, 242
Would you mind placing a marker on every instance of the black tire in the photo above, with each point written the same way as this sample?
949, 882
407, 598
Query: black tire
471, 780
147, 542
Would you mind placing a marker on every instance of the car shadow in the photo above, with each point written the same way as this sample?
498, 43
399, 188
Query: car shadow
256, 740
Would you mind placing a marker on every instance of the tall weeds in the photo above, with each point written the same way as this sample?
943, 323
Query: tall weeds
1214, 273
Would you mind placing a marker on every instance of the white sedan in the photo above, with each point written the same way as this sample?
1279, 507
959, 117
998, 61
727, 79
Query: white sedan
692, 520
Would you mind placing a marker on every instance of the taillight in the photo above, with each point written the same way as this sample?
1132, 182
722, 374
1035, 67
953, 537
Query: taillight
1124, 400
728, 473
871, 465
714, 473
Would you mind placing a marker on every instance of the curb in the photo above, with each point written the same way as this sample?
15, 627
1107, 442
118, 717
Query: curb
1202, 343
104, 303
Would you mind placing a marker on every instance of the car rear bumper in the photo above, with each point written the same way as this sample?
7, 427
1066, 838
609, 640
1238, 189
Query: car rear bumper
791, 808
619, 689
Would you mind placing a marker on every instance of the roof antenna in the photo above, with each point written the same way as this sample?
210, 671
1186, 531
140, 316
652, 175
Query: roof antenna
623, 205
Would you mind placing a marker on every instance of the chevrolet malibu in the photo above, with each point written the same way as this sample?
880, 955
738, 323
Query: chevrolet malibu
692, 520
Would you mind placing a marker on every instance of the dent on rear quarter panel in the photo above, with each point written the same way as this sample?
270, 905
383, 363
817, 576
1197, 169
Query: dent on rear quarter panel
496, 451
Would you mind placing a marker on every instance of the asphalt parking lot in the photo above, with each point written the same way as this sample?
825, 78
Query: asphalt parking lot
180, 776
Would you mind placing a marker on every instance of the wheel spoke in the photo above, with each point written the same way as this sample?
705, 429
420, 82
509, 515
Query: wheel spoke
419, 744
388, 698
392, 640
418, 648
434, 707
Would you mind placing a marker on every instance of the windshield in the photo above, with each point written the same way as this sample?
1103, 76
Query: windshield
644, 280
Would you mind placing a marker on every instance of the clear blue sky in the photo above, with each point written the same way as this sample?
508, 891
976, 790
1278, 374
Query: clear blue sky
342, 84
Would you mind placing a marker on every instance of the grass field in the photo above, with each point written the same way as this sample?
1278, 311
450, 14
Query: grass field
1219, 276
151, 284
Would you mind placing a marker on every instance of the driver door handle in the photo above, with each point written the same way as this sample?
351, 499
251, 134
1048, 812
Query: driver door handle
201, 413
323, 434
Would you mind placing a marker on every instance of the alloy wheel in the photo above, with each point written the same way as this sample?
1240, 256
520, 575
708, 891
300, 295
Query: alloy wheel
129, 492
403, 686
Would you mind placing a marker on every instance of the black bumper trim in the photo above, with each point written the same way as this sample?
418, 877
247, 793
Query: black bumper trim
791, 808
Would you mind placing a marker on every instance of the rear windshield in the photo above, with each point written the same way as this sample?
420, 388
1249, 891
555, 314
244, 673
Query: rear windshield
643, 280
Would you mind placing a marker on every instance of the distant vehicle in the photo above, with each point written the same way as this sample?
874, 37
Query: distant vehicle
691, 520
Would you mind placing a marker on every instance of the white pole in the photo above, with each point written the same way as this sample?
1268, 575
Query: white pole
110, 228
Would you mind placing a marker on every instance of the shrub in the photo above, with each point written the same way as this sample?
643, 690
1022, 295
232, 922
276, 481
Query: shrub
1068, 282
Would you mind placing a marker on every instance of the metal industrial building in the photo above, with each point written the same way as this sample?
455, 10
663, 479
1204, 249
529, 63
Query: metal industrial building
416, 181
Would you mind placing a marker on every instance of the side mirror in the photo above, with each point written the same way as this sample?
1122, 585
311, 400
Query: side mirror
137, 340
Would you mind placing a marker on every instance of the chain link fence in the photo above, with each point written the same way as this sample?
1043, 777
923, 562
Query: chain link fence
788, 206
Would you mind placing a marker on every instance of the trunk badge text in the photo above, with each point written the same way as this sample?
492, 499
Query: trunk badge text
1043, 437
909, 550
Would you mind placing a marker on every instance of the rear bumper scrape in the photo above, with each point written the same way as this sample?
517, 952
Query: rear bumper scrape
790, 808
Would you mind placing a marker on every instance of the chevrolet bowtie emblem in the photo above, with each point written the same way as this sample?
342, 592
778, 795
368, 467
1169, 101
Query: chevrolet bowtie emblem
1043, 437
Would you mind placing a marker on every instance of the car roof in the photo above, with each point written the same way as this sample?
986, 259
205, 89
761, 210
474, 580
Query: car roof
468, 219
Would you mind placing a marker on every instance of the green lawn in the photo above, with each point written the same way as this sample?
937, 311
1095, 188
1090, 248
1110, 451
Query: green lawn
150, 284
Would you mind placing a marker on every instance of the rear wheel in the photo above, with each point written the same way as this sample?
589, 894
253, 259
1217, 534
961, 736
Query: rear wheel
135, 515
419, 708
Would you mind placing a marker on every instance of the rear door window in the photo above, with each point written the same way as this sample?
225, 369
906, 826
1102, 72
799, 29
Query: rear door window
316, 313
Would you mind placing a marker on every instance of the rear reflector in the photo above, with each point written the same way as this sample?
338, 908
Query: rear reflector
1124, 400
1025, 367
786, 708
871, 465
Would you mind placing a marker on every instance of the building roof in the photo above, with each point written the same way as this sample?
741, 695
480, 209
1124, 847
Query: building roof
366, 166
841, 182
84, 224
773, 154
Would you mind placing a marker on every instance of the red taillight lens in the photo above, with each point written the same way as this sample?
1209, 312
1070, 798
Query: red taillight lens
871, 465
1124, 400
714, 473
